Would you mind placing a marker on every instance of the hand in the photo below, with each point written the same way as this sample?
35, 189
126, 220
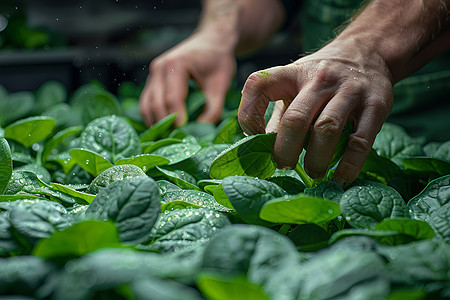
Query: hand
200, 57
320, 92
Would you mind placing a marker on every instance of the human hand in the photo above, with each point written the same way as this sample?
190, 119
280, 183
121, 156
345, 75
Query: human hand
201, 57
321, 92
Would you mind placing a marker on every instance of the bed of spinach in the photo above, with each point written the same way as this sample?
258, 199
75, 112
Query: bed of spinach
94, 205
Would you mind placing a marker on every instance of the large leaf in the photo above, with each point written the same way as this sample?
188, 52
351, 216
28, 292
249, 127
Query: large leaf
132, 203
111, 137
5, 165
365, 206
435, 195
78, 240
440, 221
299, 209
251, 156
30, 130
248, 195
182, 228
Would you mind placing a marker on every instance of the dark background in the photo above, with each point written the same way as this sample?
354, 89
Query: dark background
108, 40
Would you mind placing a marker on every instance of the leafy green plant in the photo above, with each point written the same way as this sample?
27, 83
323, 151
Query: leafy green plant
98, 206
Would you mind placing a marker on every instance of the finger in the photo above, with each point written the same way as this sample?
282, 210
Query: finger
215, 91
176, 83
274, 121
156, 95
261, 88
327, 129
144, 104
296, 122
360, 142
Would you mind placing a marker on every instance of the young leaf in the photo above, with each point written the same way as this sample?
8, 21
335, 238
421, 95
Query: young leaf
180, 178
5, 165
247, 195
58, 139
251, 156
111, 137
30, 130
71, 192
228, 132
366, 206
144, 161
78, 240
90, 161
299, 209
157, 130
132, 203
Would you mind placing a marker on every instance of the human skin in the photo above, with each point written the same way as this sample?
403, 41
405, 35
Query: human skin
349, 79
227, 28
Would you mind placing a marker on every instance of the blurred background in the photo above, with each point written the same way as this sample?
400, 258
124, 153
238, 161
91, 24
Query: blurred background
110, 41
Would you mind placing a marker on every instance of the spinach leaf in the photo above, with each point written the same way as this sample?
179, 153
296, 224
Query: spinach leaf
179, 152
25, 275
328, 190
366, 206
49, 94
291, 185
22, 181
251, 156
228, 132
226, 288
36, 219
185, 228
299, 209
309, 237
426, 166
182, 179
8, 240
380, 168
144, 161
440, 221
30, 130
394, 143
159, 129
264, 256
196, 198
247, 195
15, 106
78, 240
6, 167
221, 197
57, 140
111, 137
113, 174
90, 161
41, 172
73, 193
435, 195
132, 203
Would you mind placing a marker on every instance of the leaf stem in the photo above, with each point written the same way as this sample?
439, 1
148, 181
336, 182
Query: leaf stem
284, 229
309, 183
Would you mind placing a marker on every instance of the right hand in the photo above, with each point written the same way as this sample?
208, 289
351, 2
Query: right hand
200, 57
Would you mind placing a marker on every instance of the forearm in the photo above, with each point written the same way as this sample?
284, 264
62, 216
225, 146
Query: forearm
405, 33
243, 25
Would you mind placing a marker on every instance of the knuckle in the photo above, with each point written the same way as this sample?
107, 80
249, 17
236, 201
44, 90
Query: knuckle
328, 125
295, 119
358, 144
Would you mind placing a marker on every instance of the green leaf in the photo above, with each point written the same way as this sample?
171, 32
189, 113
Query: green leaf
228, 132
22, 181
49, 94
5, 165
144, 161
182, 228
78, 240
197, 198
90, 161
149, 147
178, 152
309, 237
427, 166
380, 168
440, 221
328, 190
159, 129
248, 195
291, 185
418, 230
30, 130
434, 196
111, 137
365, 206
299, 209
113, 174
15, 106
221, 197
233, 288
180, 178
57, 140
71, 192
132, 203
251, 156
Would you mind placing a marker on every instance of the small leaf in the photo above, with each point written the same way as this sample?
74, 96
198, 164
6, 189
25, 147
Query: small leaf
30, 130
299, 209
251, 156
90, 161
